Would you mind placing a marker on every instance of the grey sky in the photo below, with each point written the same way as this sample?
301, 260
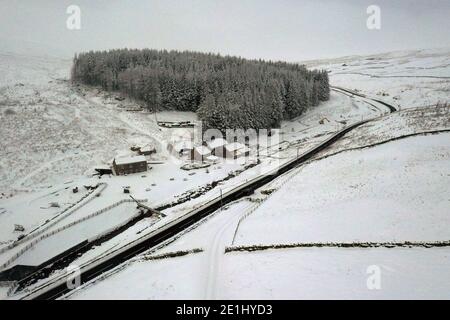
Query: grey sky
278, 29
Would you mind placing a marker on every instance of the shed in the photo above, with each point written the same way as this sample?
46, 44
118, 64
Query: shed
178, 148
236, 150
147, 150
217, 147
212, 159
103, 170
129, 165
200, 153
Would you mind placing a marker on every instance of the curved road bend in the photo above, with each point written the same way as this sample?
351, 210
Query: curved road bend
389, 106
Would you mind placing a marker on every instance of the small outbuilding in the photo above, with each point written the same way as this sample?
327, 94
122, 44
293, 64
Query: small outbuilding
200, 153
180, 147
236, 150
103, 170
147, 150
129, 165
18, 228
217, 147
212, 159
322, 121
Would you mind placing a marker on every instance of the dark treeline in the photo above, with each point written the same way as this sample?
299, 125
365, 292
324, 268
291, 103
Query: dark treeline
226, 92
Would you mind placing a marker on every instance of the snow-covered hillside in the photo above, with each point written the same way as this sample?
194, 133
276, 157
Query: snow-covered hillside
405, 78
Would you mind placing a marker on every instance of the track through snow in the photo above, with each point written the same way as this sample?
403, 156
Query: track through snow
221, 240
47, 166
217, 249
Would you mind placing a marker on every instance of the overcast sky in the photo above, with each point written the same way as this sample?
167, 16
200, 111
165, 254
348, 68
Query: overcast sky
291, 30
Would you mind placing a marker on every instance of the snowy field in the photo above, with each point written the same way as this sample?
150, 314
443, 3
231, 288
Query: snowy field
285, 274
54, 134
393, 192
407, 79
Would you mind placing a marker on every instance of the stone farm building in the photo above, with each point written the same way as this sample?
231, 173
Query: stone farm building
200, 153
236, 150
179, 148
217, 147
129, 165
147, 150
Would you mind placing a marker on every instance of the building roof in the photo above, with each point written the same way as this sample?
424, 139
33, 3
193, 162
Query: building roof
235, 146
130, 160
181, 145
243, 150
212, 158
218, 142
202, 150
148, 148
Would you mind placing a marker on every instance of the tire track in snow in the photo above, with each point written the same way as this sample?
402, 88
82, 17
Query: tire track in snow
217, 250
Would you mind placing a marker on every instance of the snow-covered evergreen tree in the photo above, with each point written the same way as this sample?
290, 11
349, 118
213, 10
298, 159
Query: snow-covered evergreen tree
226, 92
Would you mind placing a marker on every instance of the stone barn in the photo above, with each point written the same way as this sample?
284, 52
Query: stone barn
236, 150
200, 153
217, 147
129, 165
180, 147
147, 150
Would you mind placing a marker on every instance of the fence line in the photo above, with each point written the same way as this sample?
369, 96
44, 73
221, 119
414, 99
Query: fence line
47, 235
64, 214
253, 209
343, 245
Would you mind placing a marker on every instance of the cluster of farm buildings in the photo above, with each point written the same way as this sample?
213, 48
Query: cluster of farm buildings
209, 151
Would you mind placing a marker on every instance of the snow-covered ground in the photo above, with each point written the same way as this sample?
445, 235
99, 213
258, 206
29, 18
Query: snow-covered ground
55, 134
405, 78
392, 192
313, 273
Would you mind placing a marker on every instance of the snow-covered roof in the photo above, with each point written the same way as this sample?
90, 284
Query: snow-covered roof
218, 142
243, 150
185, 144
234, 146
202, 150
102, 167
212, 158
147, 148
130, 160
